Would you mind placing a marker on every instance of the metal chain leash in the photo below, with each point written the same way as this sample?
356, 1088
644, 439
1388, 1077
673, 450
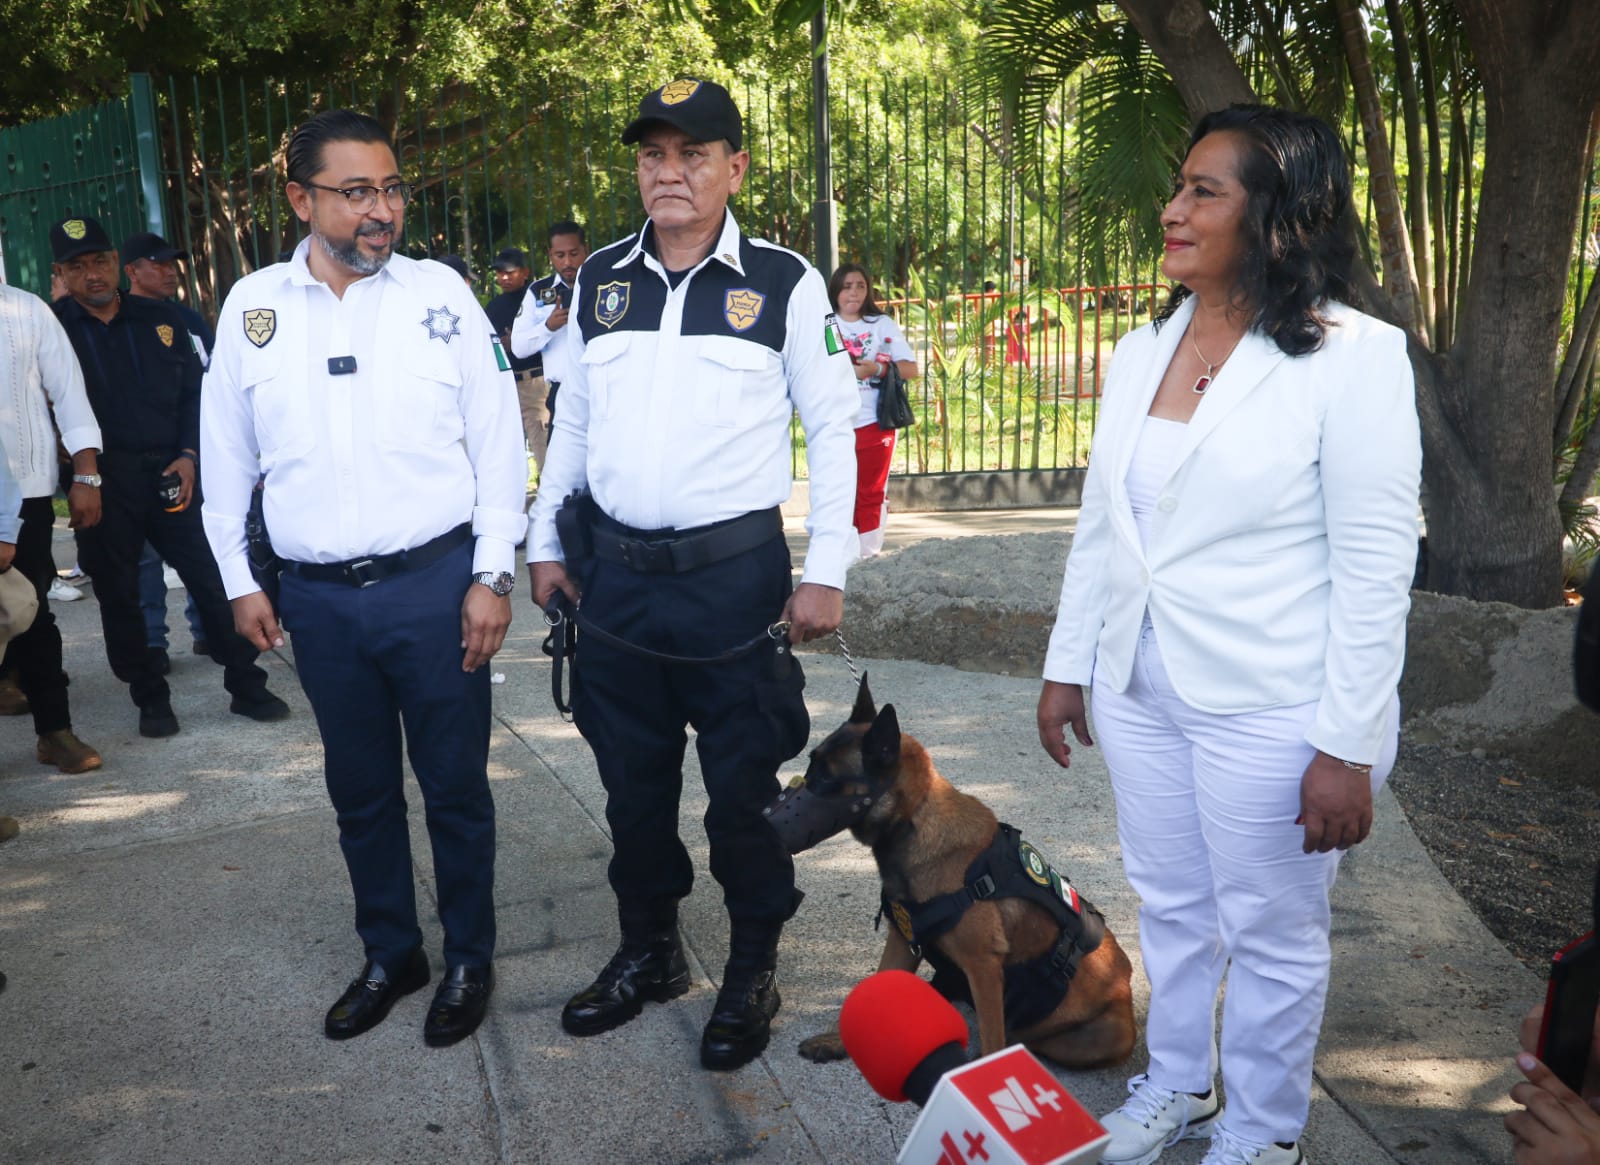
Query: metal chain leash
779, 631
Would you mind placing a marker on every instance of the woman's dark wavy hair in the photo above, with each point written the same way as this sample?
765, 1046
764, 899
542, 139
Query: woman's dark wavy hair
869, 306
1299, 242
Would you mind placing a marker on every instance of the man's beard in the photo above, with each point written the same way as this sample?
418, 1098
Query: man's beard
351, 255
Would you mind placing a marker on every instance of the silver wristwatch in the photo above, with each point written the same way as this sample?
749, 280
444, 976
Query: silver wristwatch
87, 479
500, 583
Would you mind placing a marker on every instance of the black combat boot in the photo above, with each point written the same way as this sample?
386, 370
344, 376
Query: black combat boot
648, 965
741, 1022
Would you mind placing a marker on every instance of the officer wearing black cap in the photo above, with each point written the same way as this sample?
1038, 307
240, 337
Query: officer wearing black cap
151, 265
693, 346
143, 380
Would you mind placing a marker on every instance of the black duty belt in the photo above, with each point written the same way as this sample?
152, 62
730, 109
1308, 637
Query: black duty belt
680, 551
364, 572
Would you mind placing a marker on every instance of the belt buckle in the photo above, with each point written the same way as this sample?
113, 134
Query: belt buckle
646, 557
355, 570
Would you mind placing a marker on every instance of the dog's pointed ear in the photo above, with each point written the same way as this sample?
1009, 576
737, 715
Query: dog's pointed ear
863, 712
880, 747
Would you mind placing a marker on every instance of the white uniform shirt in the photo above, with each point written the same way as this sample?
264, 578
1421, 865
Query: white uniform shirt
39, 374
423, 436
530, 336
676, 412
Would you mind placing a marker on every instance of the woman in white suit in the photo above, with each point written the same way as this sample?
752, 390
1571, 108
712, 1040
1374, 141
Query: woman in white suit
1236, 598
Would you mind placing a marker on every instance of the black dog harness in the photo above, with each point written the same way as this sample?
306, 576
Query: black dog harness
1009, 868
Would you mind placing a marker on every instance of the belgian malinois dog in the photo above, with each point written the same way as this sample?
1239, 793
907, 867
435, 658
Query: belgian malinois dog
926, 836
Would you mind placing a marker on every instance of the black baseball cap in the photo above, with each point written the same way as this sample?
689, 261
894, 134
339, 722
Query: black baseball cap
457, 264
72, 237
509, 259
150, 246
701, 109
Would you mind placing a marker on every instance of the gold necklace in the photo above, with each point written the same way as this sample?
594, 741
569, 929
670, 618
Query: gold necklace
1204, 382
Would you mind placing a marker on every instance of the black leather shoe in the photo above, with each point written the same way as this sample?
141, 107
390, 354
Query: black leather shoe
157, 719
262, 705
371, 994
652, 969
741, 1022
458, 1006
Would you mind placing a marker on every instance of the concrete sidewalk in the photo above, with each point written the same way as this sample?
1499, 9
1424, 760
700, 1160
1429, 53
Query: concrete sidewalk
174, 925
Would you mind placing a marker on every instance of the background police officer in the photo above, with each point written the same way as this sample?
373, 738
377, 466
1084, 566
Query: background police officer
539, 332
691, 347
143, 381
371, 389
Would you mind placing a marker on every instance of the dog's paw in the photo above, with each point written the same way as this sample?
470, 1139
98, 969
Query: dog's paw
822, 1048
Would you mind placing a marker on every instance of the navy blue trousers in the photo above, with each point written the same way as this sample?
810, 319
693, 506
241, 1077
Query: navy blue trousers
371, 660
749, 716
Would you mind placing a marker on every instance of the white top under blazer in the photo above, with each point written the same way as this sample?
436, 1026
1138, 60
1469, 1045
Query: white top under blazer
1280, 554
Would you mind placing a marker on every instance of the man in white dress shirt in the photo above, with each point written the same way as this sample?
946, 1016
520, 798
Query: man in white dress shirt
369, 393
691, 345
41, 392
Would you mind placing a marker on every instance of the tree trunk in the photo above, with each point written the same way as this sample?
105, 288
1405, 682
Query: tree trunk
1494, 531
1183, 35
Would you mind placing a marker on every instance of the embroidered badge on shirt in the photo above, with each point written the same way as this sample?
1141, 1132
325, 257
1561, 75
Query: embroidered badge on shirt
259, 325
742, 308
677, 92
441, 324
74, 228
165, 332
611, 302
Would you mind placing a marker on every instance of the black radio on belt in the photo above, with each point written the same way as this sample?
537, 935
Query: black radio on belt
341, 365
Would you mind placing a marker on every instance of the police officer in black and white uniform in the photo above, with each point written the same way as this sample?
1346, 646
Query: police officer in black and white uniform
693, 346
540, 331
379, 404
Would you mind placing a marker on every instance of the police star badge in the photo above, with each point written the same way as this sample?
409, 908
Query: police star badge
611, 302
741, 307
165, 332
441, 324
677, 92
74, 229
260, 324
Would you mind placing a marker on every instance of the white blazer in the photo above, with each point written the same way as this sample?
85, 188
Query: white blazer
1281, 552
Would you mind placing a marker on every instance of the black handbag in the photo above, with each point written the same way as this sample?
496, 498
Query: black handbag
894, 403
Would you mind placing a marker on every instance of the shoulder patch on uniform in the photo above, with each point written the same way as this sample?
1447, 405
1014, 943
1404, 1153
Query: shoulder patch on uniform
741, 307
611, 302
441, 324
260, 324
165, 332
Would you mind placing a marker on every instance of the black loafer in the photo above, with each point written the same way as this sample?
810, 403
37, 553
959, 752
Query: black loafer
371, 994
262, 705
156, 719
458, 1006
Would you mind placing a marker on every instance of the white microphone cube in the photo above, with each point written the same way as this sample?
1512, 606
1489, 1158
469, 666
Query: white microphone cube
1005, 1109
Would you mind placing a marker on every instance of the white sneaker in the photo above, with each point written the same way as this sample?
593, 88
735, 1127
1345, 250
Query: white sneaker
1227, 1149
63, 592
1153, 1118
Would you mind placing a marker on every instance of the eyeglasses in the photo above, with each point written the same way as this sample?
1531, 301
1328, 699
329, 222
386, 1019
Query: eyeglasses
364, 198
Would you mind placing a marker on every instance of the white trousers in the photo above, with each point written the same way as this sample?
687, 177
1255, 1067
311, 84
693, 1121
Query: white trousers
1206, 808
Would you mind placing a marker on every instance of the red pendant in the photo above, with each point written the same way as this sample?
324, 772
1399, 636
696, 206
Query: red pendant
1202, 384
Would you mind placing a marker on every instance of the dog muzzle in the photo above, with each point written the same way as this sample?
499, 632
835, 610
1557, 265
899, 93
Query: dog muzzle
802, 818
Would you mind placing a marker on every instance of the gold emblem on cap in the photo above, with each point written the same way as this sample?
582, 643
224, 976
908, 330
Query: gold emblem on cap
677, 92
74, 228
165, 332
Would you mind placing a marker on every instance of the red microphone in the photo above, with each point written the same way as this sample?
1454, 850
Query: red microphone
1004, 1109
902, 1034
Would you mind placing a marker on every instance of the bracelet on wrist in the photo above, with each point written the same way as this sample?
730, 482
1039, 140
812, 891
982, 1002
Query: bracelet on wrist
1355, 767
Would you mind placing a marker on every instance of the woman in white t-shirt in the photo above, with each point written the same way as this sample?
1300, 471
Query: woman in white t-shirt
873, 340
